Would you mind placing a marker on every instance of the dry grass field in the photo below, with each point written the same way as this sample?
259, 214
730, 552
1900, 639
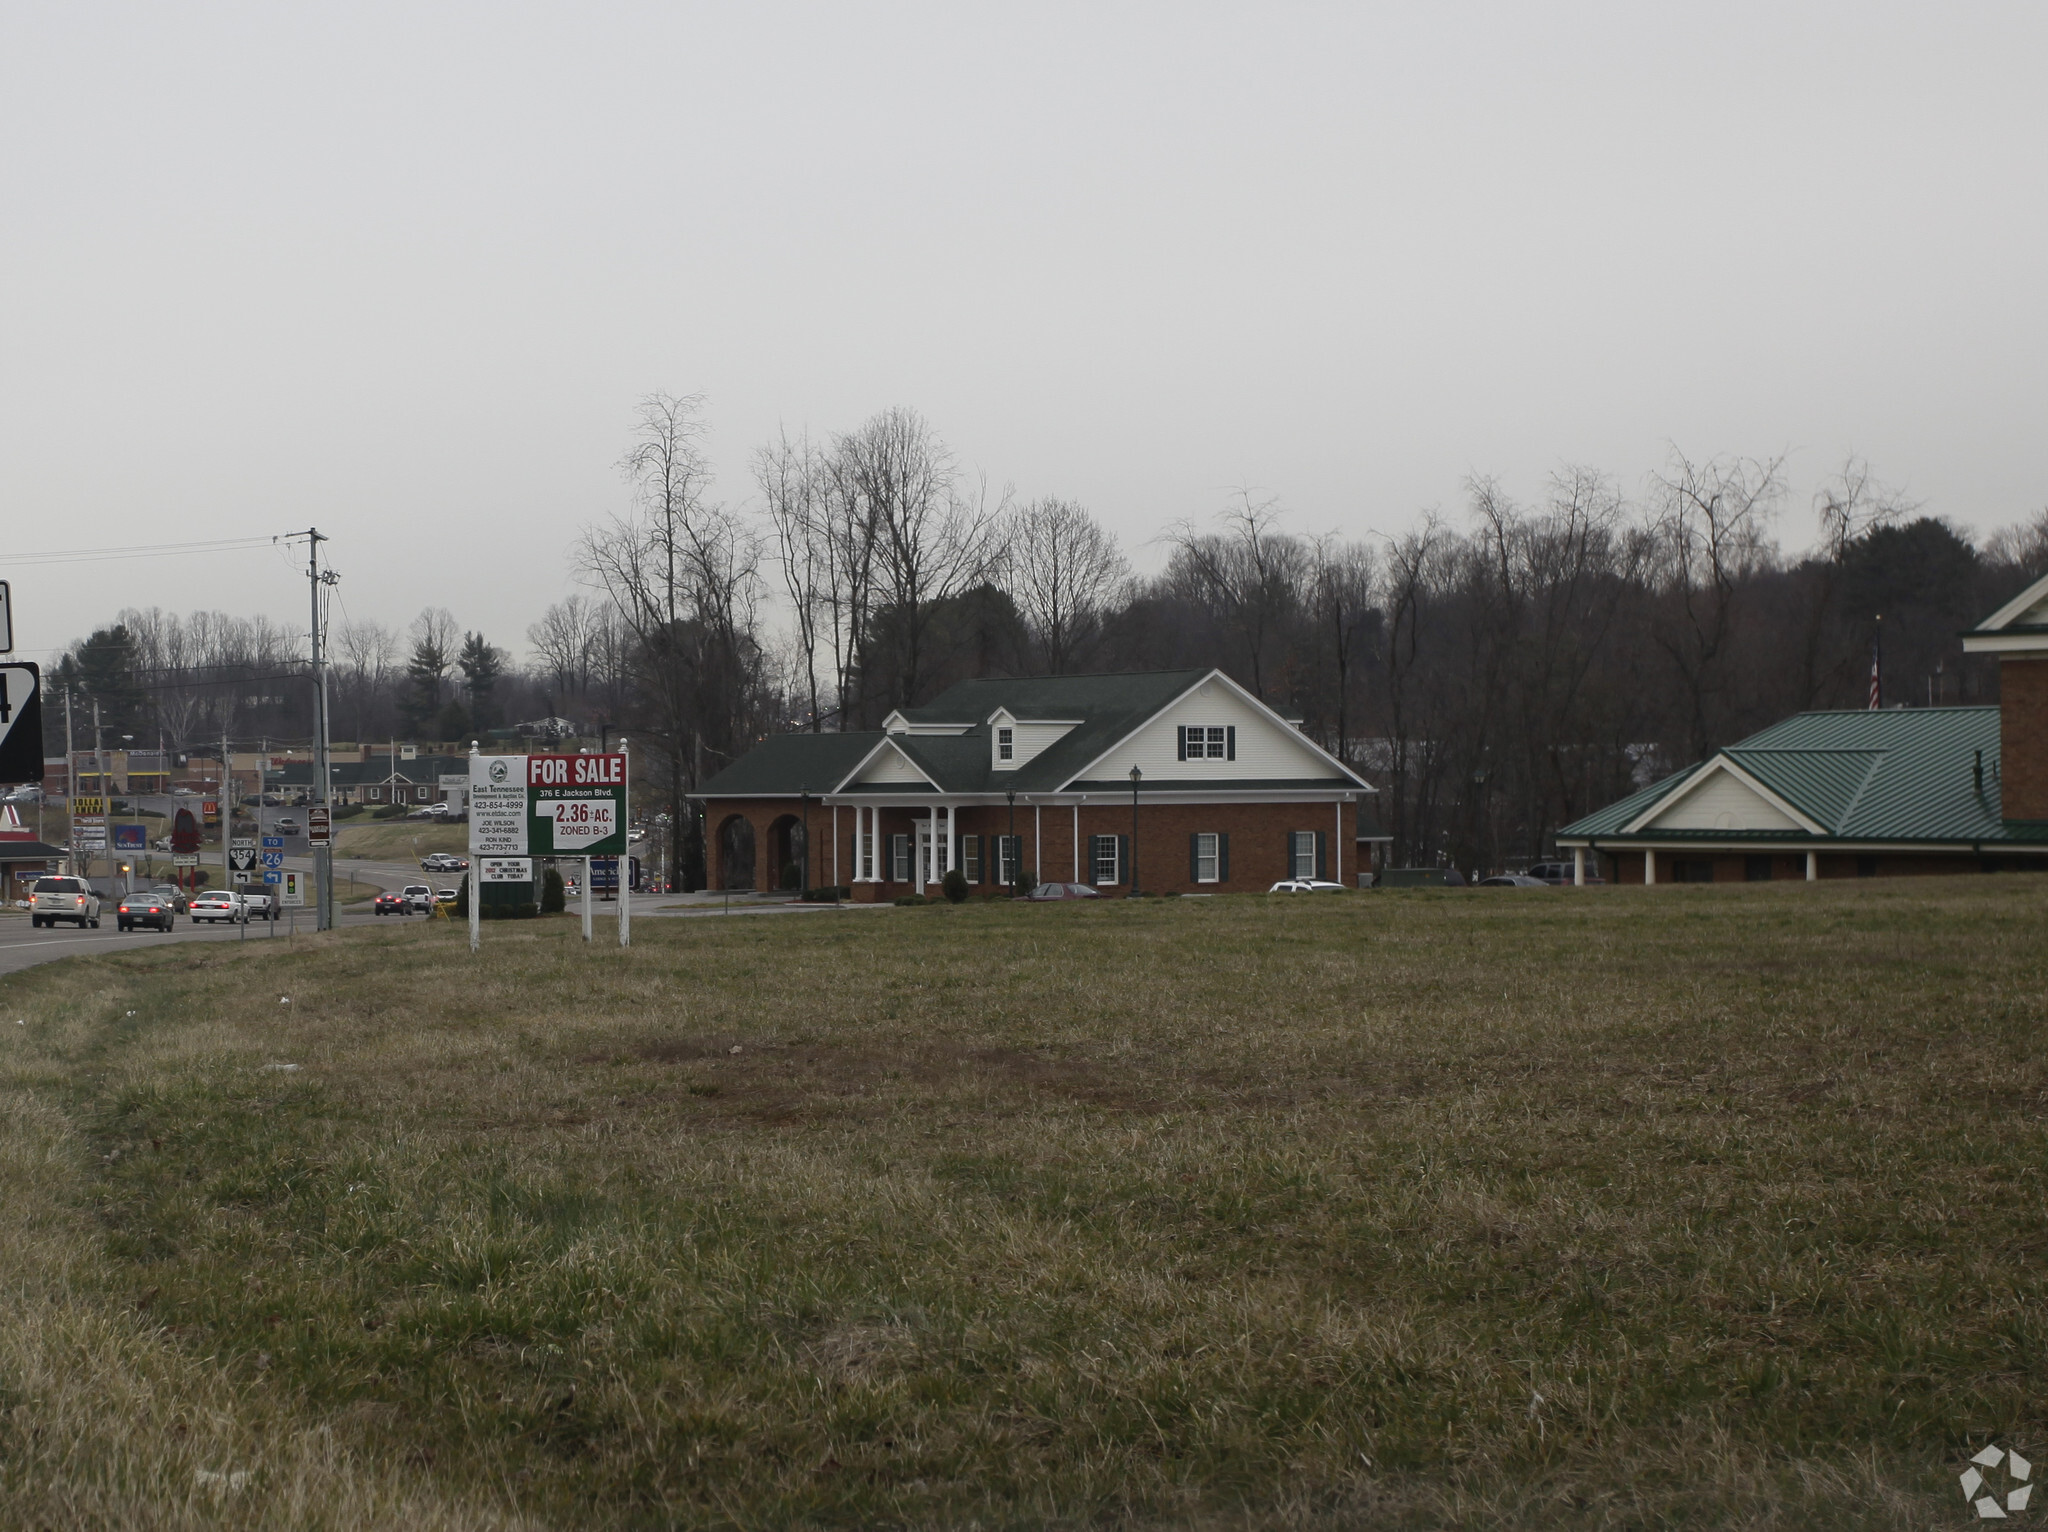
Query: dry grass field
1614, 1208
397, 840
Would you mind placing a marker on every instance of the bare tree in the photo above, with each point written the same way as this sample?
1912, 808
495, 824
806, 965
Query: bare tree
1343, 602
929, 543
1252, 573
795, 486
1064, 571
1712, 529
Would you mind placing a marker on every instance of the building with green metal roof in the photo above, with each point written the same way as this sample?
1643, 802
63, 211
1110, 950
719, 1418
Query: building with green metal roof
1855, 793
1007, 775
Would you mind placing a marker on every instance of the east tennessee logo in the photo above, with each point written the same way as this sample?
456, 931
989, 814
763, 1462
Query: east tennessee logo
1996, 1483
500, 771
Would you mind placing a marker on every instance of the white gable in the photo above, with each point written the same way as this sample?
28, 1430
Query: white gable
1266, 748
1026, 739
1722, 801
892, 765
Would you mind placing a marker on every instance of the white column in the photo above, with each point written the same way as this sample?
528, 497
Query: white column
1077, 840
1649, 865
1038, 841
1813, 866
1579, 867
946, 859
1337, 846
586, 897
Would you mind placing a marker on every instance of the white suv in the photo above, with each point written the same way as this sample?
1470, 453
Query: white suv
55, 899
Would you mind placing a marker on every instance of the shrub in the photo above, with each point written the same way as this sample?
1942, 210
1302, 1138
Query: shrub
348, 811
955, 885
553, 897
792, 875
526, 911
911, 899
389, 811
1027, 880
462, 898
828, 895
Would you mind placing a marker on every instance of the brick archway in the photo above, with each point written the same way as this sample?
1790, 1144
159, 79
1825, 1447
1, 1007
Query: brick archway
736, 852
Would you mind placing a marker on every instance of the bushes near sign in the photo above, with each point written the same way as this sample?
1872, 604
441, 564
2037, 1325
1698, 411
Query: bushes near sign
553, 897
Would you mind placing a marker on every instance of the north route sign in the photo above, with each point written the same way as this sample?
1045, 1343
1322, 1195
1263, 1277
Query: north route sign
21, 724
547, 805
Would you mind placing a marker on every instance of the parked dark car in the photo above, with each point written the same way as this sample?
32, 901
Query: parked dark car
1513, 880
172, 895
1045, 893
145, 910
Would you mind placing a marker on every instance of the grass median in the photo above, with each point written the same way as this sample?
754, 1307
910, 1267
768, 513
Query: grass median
1616, 1207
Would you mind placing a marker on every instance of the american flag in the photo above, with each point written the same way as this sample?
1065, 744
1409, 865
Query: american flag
1876, 677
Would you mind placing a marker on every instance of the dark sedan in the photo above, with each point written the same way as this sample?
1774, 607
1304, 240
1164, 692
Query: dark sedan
393, 904
149, 909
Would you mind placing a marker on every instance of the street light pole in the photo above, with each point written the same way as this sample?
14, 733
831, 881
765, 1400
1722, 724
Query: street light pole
1135, 775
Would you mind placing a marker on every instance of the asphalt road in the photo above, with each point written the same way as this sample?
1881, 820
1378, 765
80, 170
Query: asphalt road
23, 946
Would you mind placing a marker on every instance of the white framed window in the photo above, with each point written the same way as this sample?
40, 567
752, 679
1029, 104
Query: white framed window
1006, 744
970, 857
1301, 853
1208, 857
1105, 859
899, 857
1207, 742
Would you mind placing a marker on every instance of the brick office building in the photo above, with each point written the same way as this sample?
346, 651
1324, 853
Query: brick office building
1000, 777
1864, 793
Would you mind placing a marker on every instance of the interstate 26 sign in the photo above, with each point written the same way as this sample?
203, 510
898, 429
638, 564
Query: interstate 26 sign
547, 805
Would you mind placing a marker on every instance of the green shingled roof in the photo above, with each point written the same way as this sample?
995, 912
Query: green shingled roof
1108, 708
792, 763
1903, 774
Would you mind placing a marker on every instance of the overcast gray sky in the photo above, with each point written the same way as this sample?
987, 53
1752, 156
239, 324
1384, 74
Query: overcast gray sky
402, 270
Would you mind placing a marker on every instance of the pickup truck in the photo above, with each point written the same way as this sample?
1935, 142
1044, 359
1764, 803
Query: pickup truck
54, 899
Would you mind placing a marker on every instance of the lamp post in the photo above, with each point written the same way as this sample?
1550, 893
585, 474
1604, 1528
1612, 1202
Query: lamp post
1011, 841
1135, 775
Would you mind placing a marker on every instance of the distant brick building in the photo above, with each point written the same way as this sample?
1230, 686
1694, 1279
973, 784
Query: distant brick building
1865, 793
1002, 776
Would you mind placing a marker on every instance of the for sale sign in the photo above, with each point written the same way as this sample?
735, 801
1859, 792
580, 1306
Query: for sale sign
577, 804
547, 805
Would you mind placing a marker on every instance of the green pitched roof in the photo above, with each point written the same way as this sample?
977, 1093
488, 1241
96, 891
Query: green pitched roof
1108, 708
1902, 774
792, 763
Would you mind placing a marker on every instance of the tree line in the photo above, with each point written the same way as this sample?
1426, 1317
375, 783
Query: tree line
1496, 675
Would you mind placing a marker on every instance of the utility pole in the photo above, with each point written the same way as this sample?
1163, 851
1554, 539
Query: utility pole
99, 766
70, 783
227, 813
323, 856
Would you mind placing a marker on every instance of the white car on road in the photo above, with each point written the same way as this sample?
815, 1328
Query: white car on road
219, 904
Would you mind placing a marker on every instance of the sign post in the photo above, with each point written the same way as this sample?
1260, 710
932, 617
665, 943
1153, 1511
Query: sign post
525, 806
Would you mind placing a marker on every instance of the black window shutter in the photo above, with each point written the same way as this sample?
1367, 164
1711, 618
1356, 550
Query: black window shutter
1230, 743
1180, 740
1322, 856
1094, 849
1123, 859
1290, 856
1223, 858
1195, 858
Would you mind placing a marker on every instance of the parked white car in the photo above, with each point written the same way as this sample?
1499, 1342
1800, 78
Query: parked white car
54, 899
219, 904
1306, 886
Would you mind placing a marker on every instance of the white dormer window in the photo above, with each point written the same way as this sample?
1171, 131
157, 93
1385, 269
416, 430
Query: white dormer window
1206, 742
1006, 744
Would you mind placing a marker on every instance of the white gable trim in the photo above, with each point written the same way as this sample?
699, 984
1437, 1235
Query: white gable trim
1720, 765
1257, 706
860, 768
2016, 608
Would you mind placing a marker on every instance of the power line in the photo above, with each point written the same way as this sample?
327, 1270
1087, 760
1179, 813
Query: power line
144, 551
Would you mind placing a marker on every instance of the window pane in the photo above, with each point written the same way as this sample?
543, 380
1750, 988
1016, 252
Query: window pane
1205, 859
970, 856
1304, 853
